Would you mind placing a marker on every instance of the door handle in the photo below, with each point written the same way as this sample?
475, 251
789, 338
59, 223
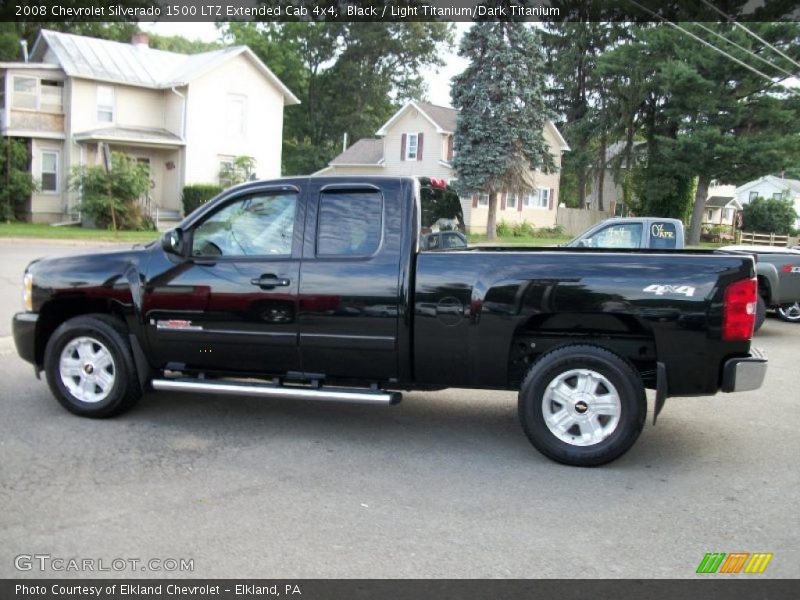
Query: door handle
269, 281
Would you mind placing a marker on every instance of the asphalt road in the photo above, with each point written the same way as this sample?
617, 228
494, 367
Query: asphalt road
443, 485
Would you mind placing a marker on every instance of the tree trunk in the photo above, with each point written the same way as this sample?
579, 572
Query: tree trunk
581, 186
601, 173
698, 210
491, 220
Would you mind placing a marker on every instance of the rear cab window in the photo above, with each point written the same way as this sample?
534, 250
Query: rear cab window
663, 235
440, 211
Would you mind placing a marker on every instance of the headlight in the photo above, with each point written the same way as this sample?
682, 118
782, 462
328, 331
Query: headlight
27, 291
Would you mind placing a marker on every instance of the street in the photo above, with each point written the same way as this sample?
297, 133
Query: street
443, 485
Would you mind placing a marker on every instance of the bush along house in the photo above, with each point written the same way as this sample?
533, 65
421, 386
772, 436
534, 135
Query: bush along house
418, 141
183, 116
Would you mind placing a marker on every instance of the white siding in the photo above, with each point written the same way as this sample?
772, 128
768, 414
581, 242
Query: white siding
432, 148
206, 135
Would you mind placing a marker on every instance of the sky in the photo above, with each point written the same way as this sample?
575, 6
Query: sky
438, 81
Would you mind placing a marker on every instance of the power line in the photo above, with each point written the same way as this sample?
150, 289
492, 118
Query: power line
746, 50
704, 42
752, 33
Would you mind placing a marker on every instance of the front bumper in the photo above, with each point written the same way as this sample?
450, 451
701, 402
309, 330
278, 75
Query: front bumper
23, 326
744, 374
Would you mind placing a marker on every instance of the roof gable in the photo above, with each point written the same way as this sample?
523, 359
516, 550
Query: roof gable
115, 62
778, 182
441, 117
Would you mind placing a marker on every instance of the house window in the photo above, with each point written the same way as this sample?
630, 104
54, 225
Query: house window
483, 200
710, 215
544, 199
49, 171
753, 196
236, 115
411, 146
777, 196
2, 92
511, 201
226, 171
727, 214
52, 97
105, 104
527, 200
25, 93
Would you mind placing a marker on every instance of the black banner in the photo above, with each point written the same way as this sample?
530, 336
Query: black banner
361, 589
398, 10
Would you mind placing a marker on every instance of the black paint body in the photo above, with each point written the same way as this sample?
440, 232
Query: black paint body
400, 318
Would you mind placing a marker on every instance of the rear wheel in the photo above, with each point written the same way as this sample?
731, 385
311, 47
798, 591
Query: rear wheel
90, 367
790, 312
582, 405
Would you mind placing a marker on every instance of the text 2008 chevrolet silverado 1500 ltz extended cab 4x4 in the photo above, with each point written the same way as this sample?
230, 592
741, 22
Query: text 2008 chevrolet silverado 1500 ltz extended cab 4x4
318, 288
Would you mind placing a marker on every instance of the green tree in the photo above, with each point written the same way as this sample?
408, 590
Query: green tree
16, 181
181, 45
127, 181
349, 77
769, 216
500, 95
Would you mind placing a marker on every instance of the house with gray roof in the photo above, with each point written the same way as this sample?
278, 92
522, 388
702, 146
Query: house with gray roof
771, 186
183, 116
418, 141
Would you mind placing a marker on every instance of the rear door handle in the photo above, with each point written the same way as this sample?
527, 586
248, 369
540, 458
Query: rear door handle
269, 281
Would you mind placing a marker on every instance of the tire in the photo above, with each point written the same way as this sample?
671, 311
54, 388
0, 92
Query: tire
582, 432
790, 312
761, 313
90, 367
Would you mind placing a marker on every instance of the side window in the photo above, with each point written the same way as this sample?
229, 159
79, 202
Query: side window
663, 236
625, 235
350, 223
258, 225
433, 241
452, 240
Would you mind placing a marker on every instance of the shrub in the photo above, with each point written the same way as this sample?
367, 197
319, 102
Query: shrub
504, 229
550, 232
127, 182
769, 216
198, 194
523, 229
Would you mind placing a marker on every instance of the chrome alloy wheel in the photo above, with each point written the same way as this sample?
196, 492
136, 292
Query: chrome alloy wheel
790, 312
581, 407
87, 369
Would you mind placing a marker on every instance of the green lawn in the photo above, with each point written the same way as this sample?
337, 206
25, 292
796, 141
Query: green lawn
519, 241
30, 230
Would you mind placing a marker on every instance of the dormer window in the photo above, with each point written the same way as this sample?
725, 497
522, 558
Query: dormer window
411, 146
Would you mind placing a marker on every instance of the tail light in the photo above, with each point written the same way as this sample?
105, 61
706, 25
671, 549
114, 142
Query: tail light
739, 310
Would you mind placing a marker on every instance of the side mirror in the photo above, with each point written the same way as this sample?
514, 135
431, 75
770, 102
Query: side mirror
172, 242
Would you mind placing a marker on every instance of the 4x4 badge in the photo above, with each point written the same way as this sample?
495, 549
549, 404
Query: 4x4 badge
660, 289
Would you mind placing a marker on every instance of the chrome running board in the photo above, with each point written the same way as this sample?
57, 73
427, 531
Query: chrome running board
265, 390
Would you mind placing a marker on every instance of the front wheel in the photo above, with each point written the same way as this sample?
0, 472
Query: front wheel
582, 405
790, 312
90, 367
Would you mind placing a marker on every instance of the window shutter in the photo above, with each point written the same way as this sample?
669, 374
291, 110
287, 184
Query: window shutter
450, 148
403, 147
503, 200
552, 198
419, 146
474, 200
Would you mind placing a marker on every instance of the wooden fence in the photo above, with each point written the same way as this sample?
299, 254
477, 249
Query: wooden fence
761, 239
578, 220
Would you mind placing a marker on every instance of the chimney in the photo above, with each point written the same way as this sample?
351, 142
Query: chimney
140, 40
24, 45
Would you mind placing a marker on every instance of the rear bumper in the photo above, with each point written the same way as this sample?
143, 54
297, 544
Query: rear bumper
23, 327
744, 374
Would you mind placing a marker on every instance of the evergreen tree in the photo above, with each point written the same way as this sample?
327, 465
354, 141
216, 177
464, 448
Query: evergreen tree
500, 96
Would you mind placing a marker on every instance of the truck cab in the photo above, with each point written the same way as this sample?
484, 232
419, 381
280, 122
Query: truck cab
632, 232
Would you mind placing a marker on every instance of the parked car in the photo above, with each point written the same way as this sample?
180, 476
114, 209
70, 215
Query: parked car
632, 232
777, 269
316, 287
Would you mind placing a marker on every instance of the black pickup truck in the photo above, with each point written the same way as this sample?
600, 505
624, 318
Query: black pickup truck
316, 288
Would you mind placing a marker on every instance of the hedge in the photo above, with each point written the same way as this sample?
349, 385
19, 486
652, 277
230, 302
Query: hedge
198, 194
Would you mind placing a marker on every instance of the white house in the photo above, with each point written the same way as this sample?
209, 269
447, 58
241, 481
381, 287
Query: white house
771, 186
182, 115
418, 141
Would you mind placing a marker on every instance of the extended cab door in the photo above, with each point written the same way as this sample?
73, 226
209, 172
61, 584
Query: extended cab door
231, 304
349, 281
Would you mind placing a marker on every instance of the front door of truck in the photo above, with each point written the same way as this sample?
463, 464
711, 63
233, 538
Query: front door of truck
349, 288
232, 304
